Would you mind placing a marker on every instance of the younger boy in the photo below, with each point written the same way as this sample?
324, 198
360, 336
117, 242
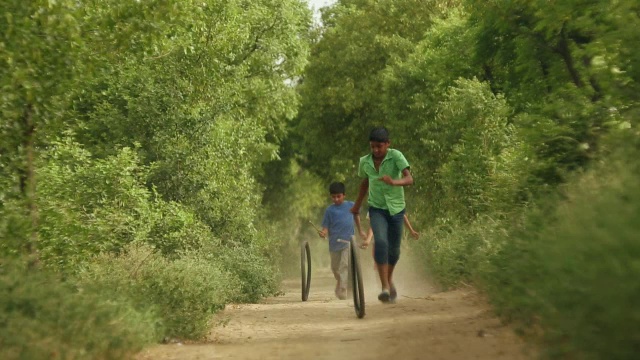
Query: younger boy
384, 171
338, 224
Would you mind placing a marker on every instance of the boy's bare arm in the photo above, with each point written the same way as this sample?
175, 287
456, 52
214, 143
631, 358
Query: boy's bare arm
406, 179
368, 238
323, 233
369, 235
414, 233
356, 219
364, 188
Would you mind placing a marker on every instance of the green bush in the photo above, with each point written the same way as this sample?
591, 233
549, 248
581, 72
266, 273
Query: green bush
572, 268
473, 130
564, 270
175, 229
42, 317
88, 206
14, 228
257, 273
184, 292
457, 251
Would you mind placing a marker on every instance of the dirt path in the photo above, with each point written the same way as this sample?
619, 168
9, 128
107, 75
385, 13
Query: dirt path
423, 324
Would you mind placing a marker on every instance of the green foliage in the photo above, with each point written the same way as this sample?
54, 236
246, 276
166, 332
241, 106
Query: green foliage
341, 92
106, 207
149, 76
256, 274
147, 123
40, 41
562, 65
183, 293
89, 206
13, 227
468, 141
205, 106
175, 229
415, 85
458, 251
292, 201
42, 317
573, 270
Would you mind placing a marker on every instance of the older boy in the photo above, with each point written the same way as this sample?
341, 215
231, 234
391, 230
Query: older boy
384, 171
338, 224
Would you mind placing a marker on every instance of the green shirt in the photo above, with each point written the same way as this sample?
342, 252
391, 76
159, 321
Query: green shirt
381, 195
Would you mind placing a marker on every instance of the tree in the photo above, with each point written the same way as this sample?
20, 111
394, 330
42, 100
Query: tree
39, 61
341, 91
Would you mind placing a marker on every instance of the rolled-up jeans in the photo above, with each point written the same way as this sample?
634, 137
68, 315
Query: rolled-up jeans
387, 235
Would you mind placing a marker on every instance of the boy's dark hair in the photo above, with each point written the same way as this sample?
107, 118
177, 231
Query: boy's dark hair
336, 188
379, 134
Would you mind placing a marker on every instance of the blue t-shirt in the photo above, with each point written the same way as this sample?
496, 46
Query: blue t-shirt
339, 220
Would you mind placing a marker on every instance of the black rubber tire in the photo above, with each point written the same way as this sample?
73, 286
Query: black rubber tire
305, 269
356, 281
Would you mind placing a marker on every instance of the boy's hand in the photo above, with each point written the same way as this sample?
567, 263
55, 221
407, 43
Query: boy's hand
387, 180
415, 235
365, 244
322, 234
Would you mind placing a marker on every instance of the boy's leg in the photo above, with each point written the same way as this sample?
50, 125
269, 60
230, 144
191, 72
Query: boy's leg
396, 223
335, 265
380, 227
339, 267
393, 292
344, 272
383, 273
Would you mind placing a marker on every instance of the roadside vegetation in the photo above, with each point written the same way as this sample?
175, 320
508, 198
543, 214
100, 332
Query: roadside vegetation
133, 143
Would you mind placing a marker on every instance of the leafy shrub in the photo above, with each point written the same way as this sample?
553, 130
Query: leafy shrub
572, 267
457, 251
89, 206
184, 292
14, 228
482, 155
175, 229
42, 317
256, 273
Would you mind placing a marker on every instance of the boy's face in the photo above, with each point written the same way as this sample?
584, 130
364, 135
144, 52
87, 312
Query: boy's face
379, 149
337, 199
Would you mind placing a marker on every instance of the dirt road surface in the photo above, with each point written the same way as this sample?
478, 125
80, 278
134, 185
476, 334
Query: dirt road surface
423, 324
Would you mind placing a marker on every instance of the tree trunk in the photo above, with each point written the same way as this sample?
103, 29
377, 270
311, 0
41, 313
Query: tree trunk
27, 176
562, 48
